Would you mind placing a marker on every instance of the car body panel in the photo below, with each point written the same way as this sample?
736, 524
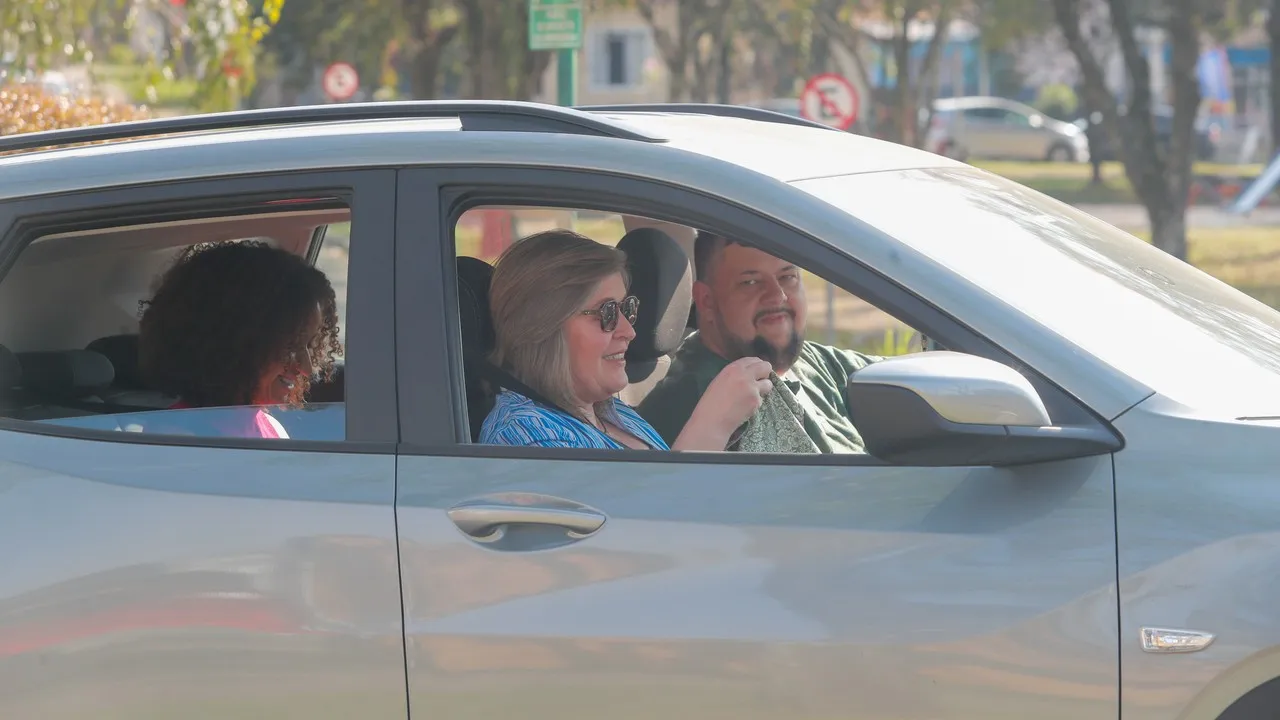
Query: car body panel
1196, 501
780, 151
162, 581
765, 591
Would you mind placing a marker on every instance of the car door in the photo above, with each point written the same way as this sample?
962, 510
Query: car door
1029, 134
186, 575
724, 585
981, 132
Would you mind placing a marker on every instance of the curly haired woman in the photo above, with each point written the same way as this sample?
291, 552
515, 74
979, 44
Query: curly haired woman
239, 324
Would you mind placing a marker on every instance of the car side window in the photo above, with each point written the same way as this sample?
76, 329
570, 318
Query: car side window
74, 357
985, 114
1016, 119
836, 331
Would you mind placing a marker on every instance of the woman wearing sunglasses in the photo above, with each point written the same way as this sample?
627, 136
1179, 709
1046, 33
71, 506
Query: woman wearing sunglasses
562, 323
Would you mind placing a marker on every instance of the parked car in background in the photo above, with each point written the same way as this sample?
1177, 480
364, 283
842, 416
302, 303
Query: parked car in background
1207, 138
997, 128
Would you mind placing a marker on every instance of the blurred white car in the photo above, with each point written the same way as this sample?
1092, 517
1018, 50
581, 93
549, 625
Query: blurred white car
991, 127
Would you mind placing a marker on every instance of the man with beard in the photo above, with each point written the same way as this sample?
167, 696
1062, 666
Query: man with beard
750, 303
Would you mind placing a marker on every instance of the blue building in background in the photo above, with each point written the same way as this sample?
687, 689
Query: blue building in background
1235, 81
961, 66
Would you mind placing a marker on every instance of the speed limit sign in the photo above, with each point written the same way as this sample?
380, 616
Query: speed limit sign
340, 81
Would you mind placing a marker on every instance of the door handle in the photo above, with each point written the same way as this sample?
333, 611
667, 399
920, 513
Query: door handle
482, 519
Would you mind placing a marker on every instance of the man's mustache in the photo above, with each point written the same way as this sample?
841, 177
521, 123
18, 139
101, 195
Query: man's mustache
770, 311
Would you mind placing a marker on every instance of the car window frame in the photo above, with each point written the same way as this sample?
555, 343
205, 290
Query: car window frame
431, 341
370, 396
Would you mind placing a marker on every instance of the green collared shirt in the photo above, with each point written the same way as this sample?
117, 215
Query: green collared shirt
818, 379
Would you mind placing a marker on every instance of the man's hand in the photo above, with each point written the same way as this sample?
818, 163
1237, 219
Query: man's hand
729, 401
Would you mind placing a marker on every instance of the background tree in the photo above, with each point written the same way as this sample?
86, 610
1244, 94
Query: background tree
314, 33
1273, 34
472, 48
1161, 179
912, 86
43, 32
222, 37
499, 63
431, 27
677, 49
225, 37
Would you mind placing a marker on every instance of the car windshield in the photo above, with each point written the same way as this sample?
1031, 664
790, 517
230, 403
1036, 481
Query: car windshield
1157, 319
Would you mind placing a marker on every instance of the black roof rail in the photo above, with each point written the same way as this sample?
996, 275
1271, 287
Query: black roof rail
737, 111
475, 115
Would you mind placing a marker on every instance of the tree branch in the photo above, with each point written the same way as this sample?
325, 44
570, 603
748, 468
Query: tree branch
1067, 13
849, 38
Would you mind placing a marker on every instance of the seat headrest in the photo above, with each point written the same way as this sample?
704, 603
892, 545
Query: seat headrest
122, 351
10, 370
663, 280
474, 276
67, 374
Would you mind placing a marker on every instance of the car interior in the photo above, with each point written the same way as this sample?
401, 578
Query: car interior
660, 256
72, 351
661, 276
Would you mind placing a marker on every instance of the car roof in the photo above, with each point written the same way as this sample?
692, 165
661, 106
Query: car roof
978, 101
780, 150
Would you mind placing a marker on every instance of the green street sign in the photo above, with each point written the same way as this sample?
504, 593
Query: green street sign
555, 24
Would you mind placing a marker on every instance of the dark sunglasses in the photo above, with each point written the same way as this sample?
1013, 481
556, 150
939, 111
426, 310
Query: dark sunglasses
608, 312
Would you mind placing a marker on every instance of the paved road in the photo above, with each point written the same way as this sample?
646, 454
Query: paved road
1134, 217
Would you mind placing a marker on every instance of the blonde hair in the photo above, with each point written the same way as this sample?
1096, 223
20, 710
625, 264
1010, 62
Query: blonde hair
539, 284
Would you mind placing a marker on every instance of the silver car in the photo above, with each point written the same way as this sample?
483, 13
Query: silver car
1069, 508
996, 128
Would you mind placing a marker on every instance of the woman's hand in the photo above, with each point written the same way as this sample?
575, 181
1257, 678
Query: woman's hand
730, 400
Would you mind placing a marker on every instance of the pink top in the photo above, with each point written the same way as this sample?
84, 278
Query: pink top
244, 422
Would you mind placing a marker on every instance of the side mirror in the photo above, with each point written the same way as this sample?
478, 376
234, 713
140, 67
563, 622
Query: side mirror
953, 409
1036, 121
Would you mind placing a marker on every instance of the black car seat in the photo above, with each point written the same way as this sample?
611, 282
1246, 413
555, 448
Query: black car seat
477, 336
129, 392
67, 383
483, 378
10, 381
662, 278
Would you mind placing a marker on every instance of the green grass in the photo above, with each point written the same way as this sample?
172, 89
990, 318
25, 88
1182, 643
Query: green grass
134, 80
1016, 170
1247, 258
1070, 182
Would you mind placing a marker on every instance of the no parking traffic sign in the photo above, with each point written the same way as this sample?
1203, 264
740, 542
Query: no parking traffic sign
831, 100
340, 81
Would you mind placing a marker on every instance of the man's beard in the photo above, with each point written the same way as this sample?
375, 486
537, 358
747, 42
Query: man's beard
759, 347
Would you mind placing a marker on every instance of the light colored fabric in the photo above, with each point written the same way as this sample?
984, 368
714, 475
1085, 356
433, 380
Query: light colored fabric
817, 382
778, 426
